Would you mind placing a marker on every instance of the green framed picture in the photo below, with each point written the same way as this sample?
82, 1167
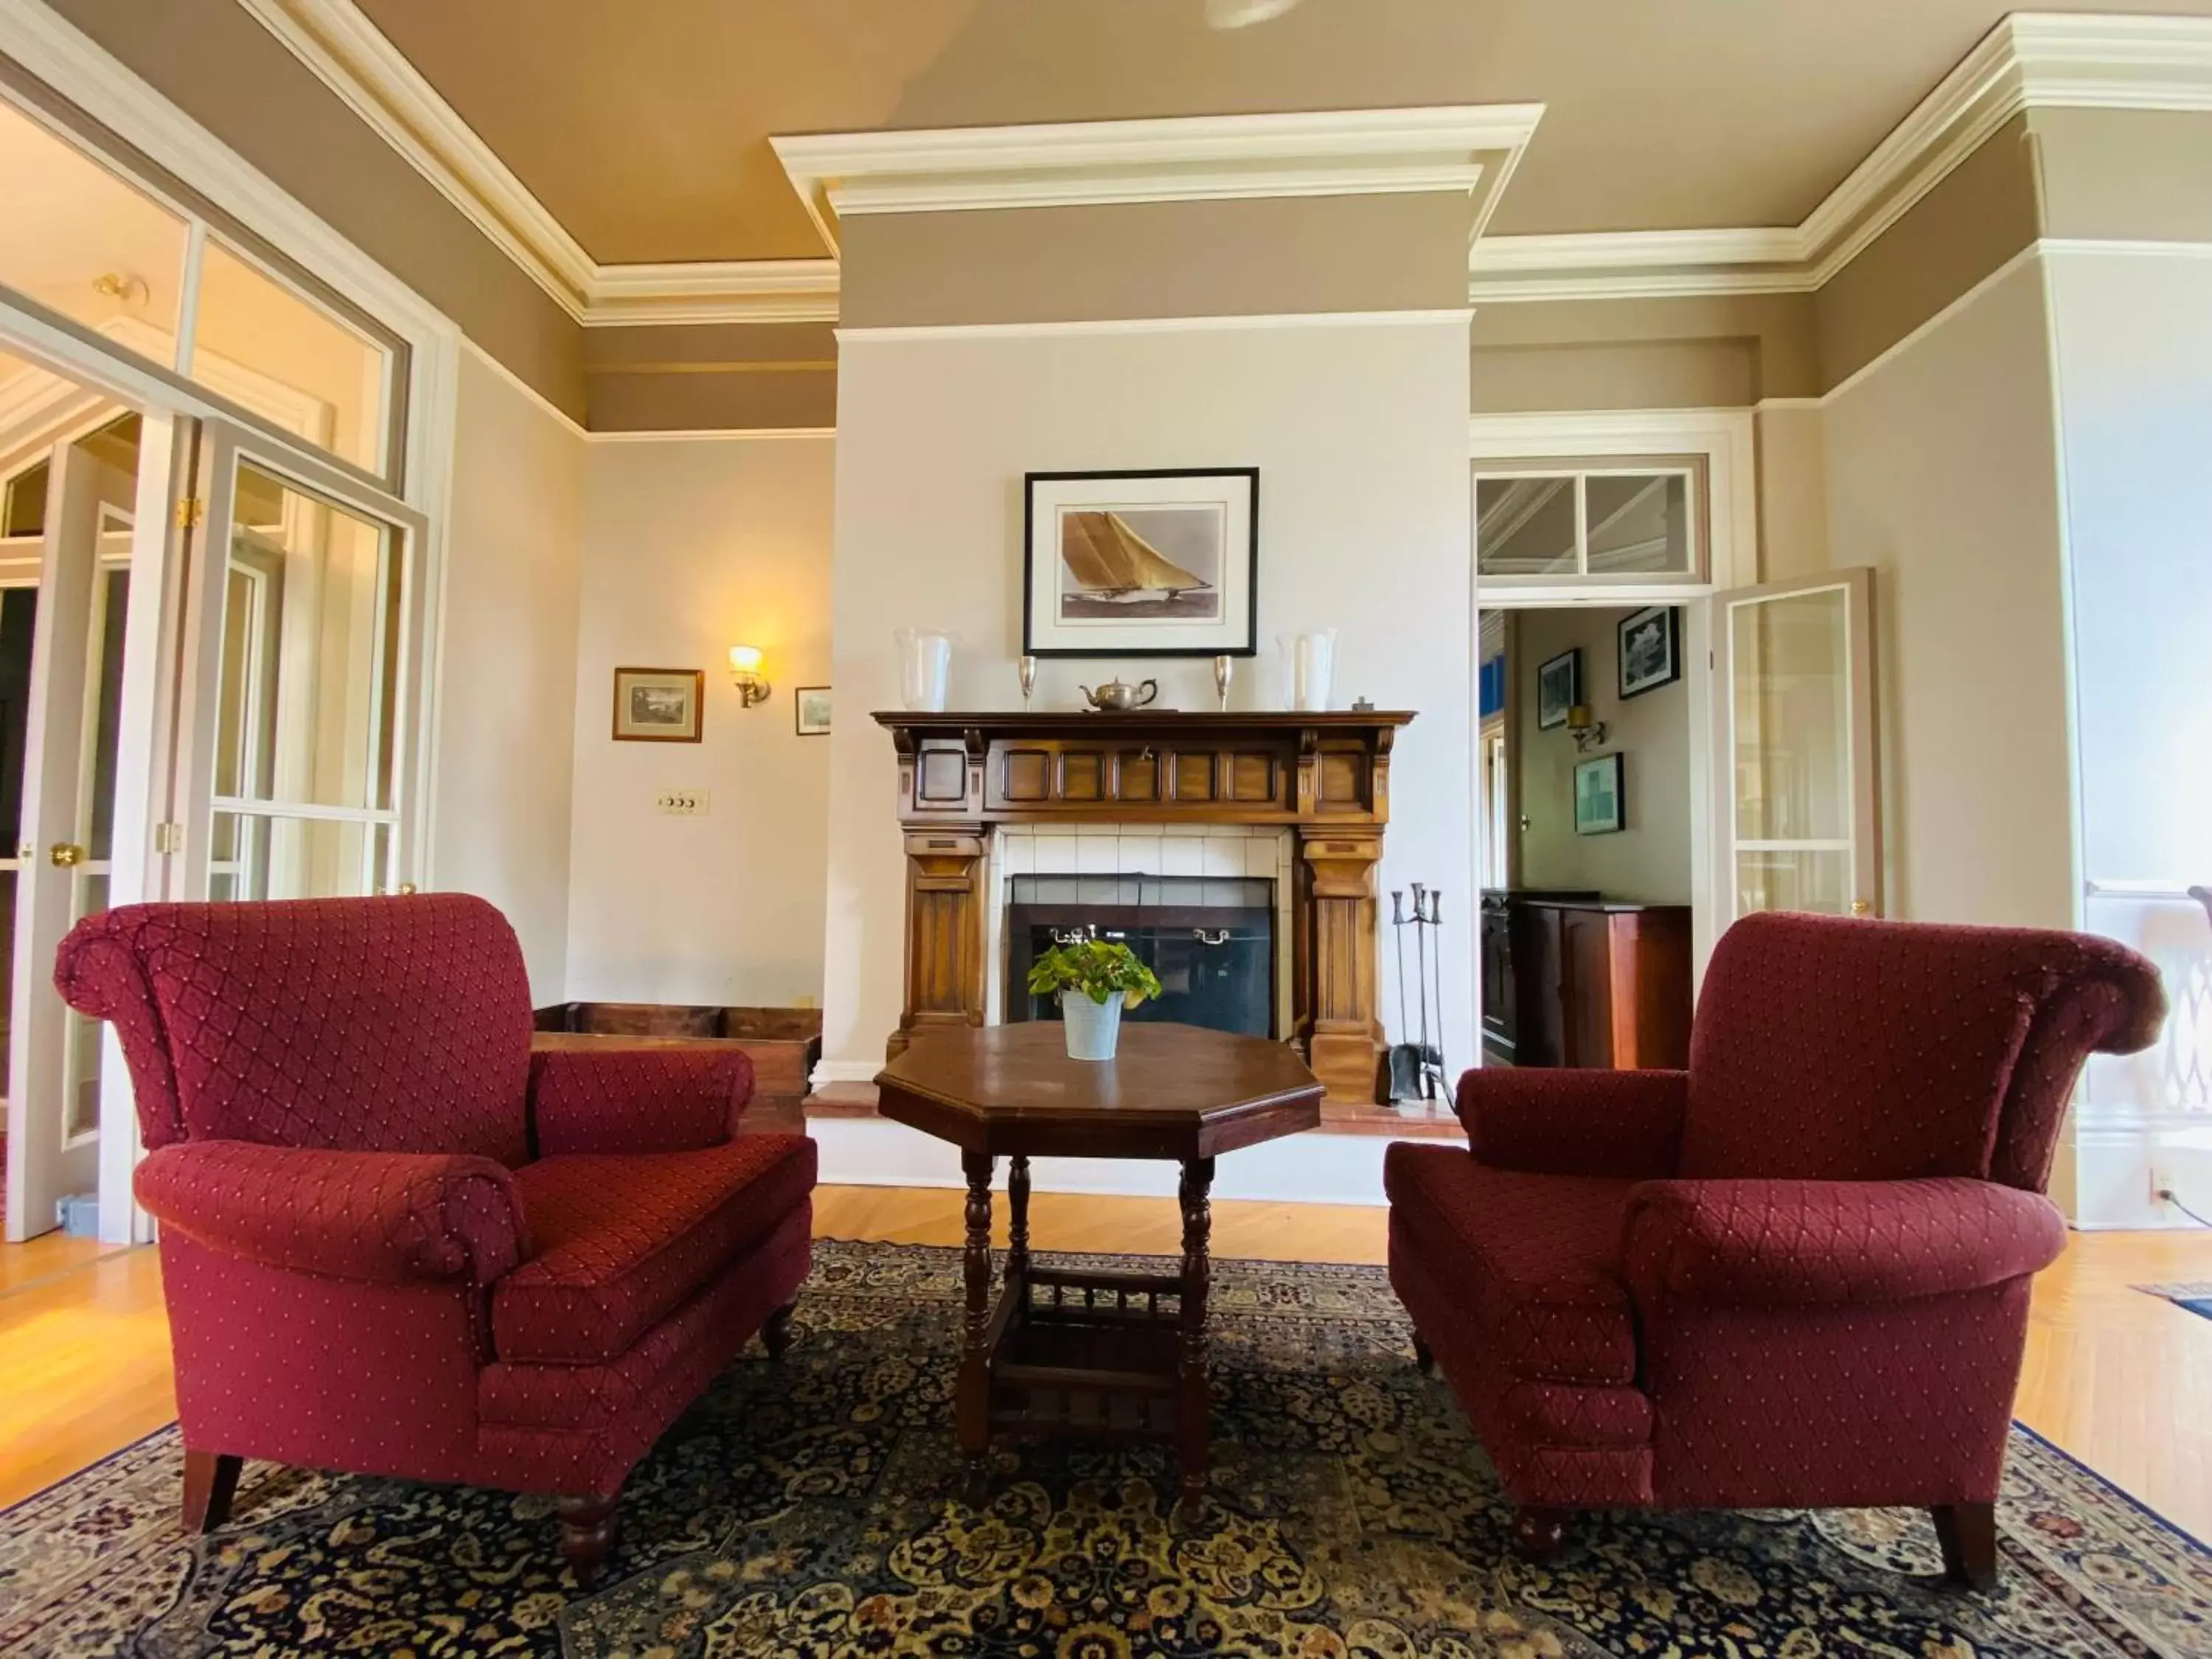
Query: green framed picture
1600, 801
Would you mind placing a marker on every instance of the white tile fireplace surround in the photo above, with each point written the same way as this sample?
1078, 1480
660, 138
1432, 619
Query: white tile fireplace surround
1129, 849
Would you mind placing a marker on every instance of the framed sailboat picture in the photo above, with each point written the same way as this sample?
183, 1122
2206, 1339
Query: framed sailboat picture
1159, 563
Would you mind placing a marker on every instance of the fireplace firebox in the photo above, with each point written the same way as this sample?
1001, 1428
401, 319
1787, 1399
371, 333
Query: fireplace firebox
1210, 942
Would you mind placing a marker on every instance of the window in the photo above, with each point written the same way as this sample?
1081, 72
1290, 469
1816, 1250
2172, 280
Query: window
173, 286
1621, 522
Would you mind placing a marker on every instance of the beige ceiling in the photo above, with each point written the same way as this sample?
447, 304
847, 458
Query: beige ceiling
643, 126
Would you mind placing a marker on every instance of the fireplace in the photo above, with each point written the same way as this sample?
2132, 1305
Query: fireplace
1289, 808
1209, 941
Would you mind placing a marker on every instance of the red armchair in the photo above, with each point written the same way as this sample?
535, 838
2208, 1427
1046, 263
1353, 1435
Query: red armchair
1796, 1274
396, 1242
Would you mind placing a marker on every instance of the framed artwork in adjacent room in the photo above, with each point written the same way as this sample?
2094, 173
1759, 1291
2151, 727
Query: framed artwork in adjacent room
1558, 688
1159, 563
1650, 650
810, 710
1601, 803
658, 705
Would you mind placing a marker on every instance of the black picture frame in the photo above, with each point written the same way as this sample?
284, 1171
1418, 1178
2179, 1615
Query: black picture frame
1246, 645
1602, 781
1567, 666
1666, 621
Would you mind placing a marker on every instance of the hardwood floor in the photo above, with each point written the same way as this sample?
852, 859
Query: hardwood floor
2121, 1380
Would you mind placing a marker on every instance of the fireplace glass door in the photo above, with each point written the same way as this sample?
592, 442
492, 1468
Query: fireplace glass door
1211, 942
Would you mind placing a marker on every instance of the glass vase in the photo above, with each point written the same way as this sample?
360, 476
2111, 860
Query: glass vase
1308, 666
925, 669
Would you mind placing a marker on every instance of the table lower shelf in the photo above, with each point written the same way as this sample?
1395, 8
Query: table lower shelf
1082, 1353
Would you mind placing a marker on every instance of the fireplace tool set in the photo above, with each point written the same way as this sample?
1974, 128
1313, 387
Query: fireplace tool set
1417, 1069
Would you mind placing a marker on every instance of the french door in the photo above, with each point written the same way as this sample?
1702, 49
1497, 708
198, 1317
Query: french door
299, 706
65, 825
1799, 807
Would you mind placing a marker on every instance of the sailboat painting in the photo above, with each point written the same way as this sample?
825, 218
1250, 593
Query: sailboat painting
1142, 563
1167, 559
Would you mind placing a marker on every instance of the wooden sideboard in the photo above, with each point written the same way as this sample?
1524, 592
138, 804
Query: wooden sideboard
1598, 983
1323, 777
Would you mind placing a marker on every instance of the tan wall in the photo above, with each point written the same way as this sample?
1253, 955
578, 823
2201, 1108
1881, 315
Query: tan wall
1792, 492
224, 70
1942, 475
1649, 860
511, 590
1702, 351
1265, 257
1982, 214
711, 377
2112, 175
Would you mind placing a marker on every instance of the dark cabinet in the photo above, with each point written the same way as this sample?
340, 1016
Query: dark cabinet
1588, 983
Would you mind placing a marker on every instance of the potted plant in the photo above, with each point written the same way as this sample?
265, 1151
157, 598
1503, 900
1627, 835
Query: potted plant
1095, 979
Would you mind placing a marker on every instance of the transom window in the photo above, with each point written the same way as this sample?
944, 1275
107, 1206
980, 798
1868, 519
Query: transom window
1619, 521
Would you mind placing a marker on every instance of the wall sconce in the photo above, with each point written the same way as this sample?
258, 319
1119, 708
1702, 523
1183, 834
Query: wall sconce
1589, 733
745, 674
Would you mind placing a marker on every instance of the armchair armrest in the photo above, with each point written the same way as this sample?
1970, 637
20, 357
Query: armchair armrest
635, 1099
1796, 1244
384, 1218
1575, 1123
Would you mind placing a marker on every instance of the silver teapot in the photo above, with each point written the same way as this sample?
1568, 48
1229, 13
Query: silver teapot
1118, 696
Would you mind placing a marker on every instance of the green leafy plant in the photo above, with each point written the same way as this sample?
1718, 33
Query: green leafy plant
1099, 968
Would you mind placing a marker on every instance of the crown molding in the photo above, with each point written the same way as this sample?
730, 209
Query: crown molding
2028, 61
1193, 158
352, 56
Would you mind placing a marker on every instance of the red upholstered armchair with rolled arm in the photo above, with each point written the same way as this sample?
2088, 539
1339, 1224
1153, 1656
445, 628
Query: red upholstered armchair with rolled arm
394, 1241
1796, 1274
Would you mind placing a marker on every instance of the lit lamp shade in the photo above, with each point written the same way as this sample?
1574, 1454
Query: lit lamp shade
746, 673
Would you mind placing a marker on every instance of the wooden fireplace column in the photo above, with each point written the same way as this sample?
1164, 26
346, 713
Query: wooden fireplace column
1324, 777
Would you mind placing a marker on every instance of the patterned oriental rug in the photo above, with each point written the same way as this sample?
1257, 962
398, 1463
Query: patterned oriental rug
2195, 1296
811, 1508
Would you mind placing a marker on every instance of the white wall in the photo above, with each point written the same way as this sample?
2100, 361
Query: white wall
507, 675
1359, 431
1941, 474
692, 545
2134, 347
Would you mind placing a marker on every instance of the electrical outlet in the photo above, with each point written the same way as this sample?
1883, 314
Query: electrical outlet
2161, 1186
682, 803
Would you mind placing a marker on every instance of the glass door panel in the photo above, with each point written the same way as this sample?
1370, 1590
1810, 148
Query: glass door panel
1796, 696
300, 714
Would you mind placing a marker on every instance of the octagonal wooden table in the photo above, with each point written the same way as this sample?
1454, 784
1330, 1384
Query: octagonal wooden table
1064, 1350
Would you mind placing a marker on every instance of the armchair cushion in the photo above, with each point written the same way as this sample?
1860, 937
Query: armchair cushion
1537, 1259
383, 1217
626, 1238
636, 1099
1807, 1243
1575, 1123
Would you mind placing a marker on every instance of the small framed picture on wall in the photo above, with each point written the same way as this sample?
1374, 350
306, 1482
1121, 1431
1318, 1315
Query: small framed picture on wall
1600, 808
658, 705
1650, 650
1558, 688
811, 710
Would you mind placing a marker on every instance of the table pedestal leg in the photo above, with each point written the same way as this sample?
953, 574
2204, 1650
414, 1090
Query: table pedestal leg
972, 1401
1194, 1404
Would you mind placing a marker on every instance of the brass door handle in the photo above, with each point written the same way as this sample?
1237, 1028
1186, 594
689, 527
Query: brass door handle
65, 853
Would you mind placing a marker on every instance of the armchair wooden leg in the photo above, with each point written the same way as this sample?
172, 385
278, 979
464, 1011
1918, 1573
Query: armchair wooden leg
1424, 1356
210, 1482
1968, 1533
1538, 1534
587, 1533
775, 1334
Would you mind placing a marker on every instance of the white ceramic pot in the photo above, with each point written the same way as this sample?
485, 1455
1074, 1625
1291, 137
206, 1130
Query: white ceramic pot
1093, 1028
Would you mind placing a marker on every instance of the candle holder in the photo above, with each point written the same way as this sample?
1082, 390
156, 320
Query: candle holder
1224, 669
1026, 672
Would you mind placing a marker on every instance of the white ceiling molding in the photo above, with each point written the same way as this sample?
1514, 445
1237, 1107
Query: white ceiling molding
352, 56
1469, 148
2028, 61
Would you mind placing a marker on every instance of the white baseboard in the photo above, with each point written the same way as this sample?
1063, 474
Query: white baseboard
1307, 1168
2112, 1167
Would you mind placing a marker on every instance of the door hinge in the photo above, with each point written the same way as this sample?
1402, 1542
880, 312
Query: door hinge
169, 837
191, 513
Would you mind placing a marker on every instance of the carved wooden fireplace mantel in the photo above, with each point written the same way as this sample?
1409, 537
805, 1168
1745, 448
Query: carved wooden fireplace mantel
1323, 777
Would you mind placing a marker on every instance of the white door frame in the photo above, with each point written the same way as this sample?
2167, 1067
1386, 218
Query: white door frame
1724, 439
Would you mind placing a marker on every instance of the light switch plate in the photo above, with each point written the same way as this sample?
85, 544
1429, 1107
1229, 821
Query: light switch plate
682, 803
